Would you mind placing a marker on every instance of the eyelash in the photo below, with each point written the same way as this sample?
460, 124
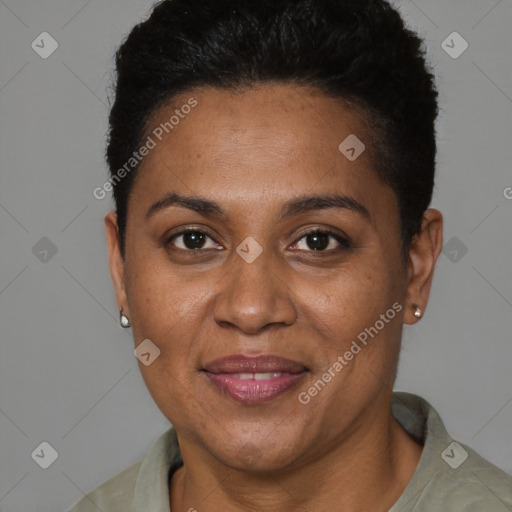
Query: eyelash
344, 243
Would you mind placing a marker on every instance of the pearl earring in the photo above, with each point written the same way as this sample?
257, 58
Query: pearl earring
123, 319
417, 311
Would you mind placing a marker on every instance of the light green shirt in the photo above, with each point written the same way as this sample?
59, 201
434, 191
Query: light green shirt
450, 476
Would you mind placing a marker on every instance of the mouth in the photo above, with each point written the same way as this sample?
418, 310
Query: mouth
254, 379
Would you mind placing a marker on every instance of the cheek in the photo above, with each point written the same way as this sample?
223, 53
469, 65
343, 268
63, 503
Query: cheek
169, 311
159, 296
354, 297
172, 395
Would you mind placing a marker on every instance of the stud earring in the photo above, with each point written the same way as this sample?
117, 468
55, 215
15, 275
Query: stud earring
417, 311
123, 319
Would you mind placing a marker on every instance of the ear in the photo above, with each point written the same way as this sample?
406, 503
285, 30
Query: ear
423, 253
115, 260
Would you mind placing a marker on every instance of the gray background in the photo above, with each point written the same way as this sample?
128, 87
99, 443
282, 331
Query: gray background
67, 371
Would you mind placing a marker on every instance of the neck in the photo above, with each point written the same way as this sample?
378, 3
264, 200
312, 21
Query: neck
367, 470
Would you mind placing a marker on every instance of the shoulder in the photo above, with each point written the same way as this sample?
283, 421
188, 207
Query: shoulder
142, 486
450, 475
474, 486
114, 495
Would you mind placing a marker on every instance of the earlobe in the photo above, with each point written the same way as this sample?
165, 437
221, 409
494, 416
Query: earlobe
115, 260
418, 313
423, 254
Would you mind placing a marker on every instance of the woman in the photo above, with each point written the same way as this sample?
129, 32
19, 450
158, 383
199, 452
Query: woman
272, 164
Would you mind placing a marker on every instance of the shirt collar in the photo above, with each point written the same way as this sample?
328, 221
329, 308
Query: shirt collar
152, 485
420, 420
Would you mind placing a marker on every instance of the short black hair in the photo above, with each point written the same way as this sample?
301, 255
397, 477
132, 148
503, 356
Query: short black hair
358, 51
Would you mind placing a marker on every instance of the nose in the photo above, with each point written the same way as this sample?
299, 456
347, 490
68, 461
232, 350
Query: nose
254, 296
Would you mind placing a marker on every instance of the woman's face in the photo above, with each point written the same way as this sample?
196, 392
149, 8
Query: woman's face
260, 275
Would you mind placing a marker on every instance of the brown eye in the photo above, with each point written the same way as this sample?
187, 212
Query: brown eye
192, 240
322, 241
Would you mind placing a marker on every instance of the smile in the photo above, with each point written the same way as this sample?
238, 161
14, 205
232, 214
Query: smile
254, 379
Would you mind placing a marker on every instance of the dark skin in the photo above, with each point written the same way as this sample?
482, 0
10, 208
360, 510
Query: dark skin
251, 153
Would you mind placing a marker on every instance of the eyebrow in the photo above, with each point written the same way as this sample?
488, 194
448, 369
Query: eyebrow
295, 206
321, 202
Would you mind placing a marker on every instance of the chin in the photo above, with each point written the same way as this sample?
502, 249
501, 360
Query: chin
268, 453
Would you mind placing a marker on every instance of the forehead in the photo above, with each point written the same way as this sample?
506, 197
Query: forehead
265, 143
